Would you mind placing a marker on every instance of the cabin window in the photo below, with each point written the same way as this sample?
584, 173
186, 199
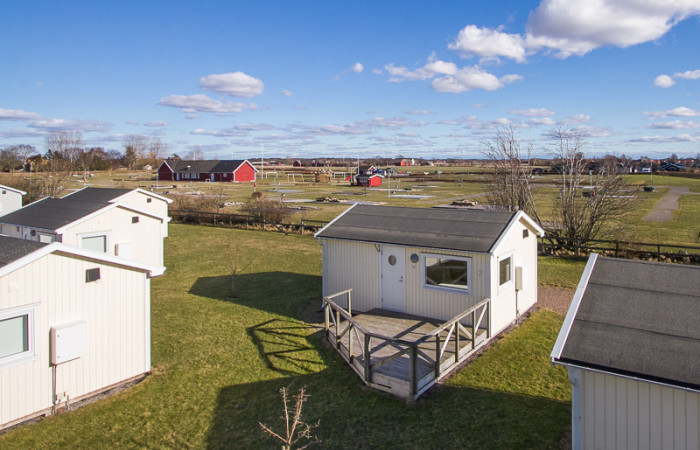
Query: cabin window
97, 242
17, 335
526, 233
505, 270
450, 272
148, 200
135, 219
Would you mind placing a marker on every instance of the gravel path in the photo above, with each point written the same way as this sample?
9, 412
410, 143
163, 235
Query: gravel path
556, 299
663, 211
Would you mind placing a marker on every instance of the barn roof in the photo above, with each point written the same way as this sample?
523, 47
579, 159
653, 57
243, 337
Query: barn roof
450, 229
12, 249
205, 166
635, 318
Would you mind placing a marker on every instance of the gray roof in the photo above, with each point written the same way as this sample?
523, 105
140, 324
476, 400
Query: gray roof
450, 229
12, 249
640, 319
52, 213
201, 166
93, 194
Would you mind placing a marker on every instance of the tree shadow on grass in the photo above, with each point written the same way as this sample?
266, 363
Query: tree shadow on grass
275, 292
351, 416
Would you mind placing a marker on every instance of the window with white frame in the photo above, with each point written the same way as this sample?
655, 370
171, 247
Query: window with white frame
97, 242
505, 270
444, 271
17, 335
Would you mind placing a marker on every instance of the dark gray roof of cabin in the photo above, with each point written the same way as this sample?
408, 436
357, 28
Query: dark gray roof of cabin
450, 229
12, 249
204, 166
640, 319
52, 213
92, 194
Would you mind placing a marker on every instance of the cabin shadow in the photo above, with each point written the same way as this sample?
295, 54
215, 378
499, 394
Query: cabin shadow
352, 416
281, 293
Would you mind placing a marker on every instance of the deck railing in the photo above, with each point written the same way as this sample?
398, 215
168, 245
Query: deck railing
453, 336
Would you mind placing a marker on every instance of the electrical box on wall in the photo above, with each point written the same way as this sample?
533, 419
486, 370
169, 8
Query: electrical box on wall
519, 278
68, 341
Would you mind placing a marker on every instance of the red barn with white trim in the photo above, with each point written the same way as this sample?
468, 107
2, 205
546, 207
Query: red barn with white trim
211, 170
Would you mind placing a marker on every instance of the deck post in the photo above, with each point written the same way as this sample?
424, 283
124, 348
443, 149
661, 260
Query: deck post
457, 349
473, 329
350, 302
437, 355
350, 327
413, 388
337, 329
368, 360
326, 314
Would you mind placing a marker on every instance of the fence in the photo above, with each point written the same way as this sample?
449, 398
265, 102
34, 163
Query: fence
244, 220
620, 249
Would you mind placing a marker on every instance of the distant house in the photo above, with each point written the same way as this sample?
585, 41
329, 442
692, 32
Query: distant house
671, 167
73, 323
10, 199
122, 222
236, 171
368, 180
631, 345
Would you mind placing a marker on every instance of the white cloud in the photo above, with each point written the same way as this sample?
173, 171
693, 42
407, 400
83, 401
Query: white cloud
204, 103
667, 139
235, 84
86, 126
544, 121
681, 111
576, 27
357, 67
156, 123
18, 115
377, 71
532, 112
229, 132
576, 119
488, 43
664, 81
675, 125
688, 74
419, 112
287, 93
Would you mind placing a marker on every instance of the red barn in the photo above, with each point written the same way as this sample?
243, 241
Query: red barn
210, 170
368, 180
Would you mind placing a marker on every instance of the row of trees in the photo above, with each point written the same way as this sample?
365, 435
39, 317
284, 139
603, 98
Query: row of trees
590, 202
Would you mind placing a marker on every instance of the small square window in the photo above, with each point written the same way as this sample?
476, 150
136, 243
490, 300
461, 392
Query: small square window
92, 275
148, 200
18, 335
526, 233
504, 271
135, 219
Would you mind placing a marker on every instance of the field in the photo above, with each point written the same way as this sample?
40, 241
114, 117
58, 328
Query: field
219, 362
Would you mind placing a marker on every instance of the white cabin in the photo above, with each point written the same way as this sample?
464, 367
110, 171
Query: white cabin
73, 323
10, 199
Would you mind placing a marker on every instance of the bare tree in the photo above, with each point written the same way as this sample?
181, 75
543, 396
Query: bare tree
156, 149
195, 154
236, 262
510, 174
295, 427
580, 213
135, 147
67, 146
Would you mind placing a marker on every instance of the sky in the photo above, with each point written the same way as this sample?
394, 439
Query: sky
243, 79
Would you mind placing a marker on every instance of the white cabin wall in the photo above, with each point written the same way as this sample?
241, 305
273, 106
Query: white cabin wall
506, 303
620, 413
114, 309
145, 236
155, 207
440, 303
355, 265
9, 201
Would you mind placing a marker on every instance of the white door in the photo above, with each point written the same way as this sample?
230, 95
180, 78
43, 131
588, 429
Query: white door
393, 268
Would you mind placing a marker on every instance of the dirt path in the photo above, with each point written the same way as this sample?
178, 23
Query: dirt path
669, 203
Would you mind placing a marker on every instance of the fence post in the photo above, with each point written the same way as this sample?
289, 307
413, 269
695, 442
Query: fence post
413, 388
350, 303
617, 248
368, 359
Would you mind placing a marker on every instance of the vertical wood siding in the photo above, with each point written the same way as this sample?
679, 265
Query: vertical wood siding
352, 265
9, 201
145, 236
620, 413
114, 309
156, 207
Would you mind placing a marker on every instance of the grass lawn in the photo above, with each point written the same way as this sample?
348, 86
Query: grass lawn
219, 362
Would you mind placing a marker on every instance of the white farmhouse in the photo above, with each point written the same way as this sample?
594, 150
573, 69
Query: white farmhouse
127, 223
10, 199
73, 323
631, 345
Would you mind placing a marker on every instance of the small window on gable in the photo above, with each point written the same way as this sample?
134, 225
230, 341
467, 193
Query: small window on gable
148, 200
135, 219
526, 233
505, 270
92, 275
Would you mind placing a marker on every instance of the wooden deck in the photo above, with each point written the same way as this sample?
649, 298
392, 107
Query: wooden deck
400, 353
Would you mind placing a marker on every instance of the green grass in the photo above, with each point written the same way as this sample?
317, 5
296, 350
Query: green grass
219, 363
561, 272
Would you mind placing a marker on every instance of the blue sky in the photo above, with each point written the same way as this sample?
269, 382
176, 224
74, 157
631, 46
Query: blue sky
352, 79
